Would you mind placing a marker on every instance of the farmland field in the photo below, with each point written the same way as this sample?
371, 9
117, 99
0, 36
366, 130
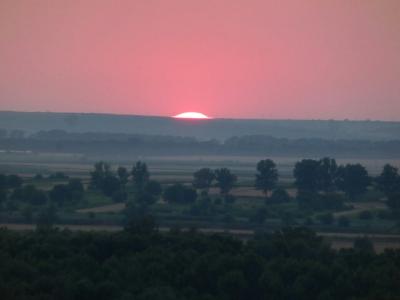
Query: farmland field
98, 212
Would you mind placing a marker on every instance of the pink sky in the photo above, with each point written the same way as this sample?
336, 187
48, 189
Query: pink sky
316, 59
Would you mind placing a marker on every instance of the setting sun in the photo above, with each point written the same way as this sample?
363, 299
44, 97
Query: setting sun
191, 115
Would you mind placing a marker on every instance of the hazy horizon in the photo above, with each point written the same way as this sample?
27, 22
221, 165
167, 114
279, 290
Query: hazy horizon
210, 117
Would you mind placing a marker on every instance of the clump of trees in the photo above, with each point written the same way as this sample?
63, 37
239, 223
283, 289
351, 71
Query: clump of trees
267, 176
179, 193
140, 175
142, 263
146, 192
226, 180
29, 194
318, 180
322, 185
114, 185
316, 175
103, 179
203, 178
64, 194
389, 183
353, 180
35, 204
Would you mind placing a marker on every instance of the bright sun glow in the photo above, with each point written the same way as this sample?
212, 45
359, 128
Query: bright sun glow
191, 115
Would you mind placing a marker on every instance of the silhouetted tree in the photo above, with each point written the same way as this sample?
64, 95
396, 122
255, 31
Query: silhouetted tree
306, 175
389, 180
140, 174
326, 174
353, 179
203, 178
203, 206
148, 195
225, 180
101, 170
267, 176
123, 175
62, 194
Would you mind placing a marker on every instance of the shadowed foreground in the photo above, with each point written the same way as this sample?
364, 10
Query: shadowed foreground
141, 263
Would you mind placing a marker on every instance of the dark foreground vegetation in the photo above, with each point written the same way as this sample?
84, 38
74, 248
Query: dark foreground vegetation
142, 263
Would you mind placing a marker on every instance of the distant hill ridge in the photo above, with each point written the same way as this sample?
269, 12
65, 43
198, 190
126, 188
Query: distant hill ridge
220, 129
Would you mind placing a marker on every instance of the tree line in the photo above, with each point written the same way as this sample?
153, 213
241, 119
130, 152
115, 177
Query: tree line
320, 185
128, 144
